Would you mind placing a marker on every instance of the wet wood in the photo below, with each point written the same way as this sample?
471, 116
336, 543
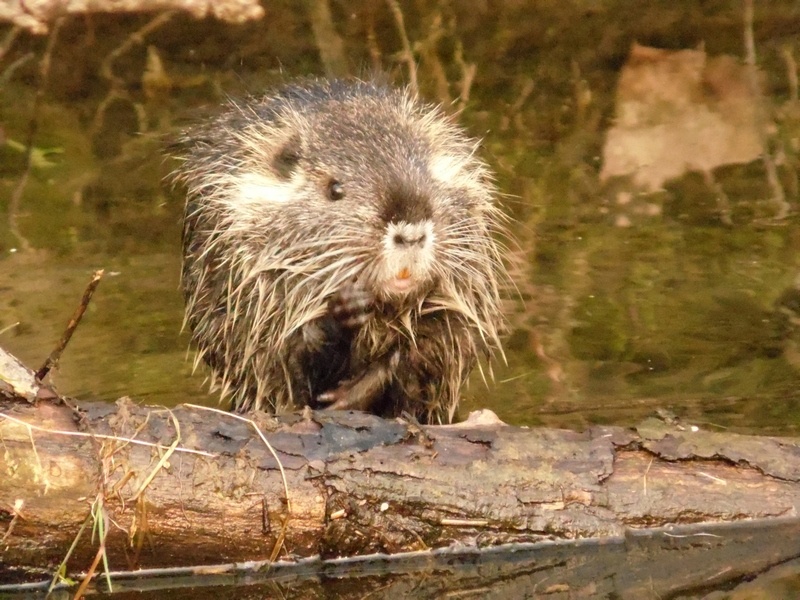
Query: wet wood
193, 486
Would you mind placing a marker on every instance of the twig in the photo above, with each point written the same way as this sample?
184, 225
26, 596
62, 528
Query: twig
427, 50
38, 460
33, 127
263, 439
528, 85
407, 54
9, 40
464, 522
281, 537
372, 44
749, 36
329, 43
723, 203
17, 510
90, 573
5, 47
468, 72
102, 436
62, 567
55, 355
120, 447
9, 328
166, 573
98, 516
644, 477
101, 520
162, 461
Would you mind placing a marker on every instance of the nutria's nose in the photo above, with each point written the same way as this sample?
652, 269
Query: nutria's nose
409, 236
404, 239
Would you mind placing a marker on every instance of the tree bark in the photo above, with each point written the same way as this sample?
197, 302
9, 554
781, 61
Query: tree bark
192, 486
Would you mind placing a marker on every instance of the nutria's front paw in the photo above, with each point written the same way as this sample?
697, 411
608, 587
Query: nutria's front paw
345, 397
352, 305
364, 391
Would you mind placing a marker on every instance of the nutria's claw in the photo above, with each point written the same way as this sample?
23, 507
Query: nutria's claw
341, 398
352, 305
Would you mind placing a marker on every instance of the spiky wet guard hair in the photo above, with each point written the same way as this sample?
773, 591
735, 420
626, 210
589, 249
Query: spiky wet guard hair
266, 247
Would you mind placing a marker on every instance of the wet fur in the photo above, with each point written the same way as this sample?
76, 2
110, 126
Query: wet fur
267, 251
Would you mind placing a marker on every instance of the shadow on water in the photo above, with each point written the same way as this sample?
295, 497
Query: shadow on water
629, 301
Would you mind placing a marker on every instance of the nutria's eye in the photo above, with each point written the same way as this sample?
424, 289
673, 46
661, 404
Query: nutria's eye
335, 190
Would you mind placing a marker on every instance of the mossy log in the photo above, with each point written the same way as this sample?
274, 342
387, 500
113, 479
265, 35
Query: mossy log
190, 486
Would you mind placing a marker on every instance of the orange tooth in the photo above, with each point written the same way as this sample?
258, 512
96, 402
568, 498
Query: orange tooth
404, 273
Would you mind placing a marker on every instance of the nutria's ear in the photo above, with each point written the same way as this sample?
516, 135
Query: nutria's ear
286, 159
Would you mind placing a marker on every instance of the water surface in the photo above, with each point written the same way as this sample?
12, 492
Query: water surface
623, 307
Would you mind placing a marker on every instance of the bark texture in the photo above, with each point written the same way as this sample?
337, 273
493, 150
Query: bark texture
357, 484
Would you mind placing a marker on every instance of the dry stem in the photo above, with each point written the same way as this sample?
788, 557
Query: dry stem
263, 439
287, 517
162, 461
101, 436
55, 355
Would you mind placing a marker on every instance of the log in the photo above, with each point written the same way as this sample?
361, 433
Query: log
195, 486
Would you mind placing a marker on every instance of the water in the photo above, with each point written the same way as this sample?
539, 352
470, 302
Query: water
624, 307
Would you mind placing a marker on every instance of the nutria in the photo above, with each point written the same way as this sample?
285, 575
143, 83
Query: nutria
339, 251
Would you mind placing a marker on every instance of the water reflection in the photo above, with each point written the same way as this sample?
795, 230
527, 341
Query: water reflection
628, 301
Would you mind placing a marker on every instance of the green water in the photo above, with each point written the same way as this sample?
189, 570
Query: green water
679, 309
